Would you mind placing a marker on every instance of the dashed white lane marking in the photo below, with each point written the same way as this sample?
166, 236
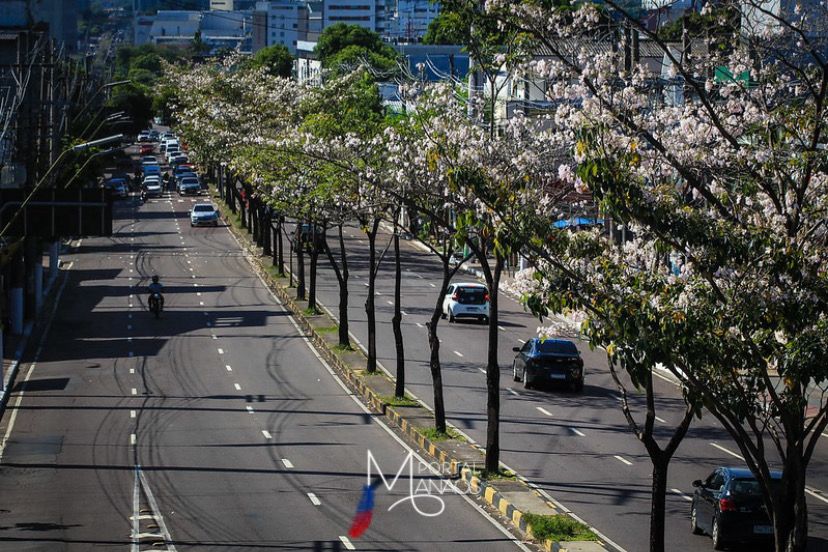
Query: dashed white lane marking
614, 396
249, 408
346, 542
130, 305
501, 328
730, 452
315, 501
198, 293
420, 325
389, 302
237, 386
432, 285
544, 411
267, 435
214, 336
458, 353
221, 351
132, 413
229, 369
661, 420
288, 464
682, 495
816, 493
201, 303
132, 370
134, 391
132, 439
193, 276
365, 284
513, 392
402, 312
623, 460
577, 432
522, 341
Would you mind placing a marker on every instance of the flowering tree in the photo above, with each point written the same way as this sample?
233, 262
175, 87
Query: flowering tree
714, 165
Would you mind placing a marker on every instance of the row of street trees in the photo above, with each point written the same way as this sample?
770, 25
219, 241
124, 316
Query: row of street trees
714, 165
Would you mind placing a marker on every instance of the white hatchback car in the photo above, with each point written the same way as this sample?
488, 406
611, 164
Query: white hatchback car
466, 300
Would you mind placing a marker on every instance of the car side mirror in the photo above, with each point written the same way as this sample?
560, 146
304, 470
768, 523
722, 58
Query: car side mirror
516, 349
697, 483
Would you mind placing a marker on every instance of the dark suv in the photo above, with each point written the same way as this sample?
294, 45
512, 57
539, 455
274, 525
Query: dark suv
728, 506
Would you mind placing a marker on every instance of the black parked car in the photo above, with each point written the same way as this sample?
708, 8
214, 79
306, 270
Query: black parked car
542, 361
728, 506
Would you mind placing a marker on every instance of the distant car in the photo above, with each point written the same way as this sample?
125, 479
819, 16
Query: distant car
150, 170
182, 168
153, 135
143, 136
178, 159
728, 506
466, 300
204, 214
189, 185
153, 186
549, 361
149, 160
120, 189
145, 149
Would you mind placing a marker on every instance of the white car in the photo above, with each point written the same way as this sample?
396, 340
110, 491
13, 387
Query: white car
466, 300
204, 214
152, 184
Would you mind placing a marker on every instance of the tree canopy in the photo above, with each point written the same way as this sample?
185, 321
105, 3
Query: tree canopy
276, 60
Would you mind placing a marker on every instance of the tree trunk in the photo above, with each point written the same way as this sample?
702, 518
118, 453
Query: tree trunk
434, 357
281, 261
399, 386
342, 280
314, 257
493, 372
300, 262
790, 510
266, 232
370, 309
273, 240
658, 501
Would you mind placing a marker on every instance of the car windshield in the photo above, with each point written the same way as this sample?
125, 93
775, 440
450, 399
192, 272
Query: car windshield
203, 209
557, 347
189, 182
471, 295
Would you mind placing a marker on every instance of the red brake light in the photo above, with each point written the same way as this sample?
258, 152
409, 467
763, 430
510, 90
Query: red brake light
727, 505
486, 297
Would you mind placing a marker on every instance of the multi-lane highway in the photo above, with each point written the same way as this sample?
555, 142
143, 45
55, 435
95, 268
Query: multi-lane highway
577, 447
214, 428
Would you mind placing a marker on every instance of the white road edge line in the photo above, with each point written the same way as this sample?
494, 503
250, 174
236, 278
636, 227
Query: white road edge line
682, 495
458, 353
816, 493
622, 459
513, 392
159, 519
730, 452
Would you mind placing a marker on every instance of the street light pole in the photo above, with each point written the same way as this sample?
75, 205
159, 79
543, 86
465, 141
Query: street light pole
88, 160
95, 95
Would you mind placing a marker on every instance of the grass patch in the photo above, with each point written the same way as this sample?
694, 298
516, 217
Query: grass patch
496, 476
327, 329
397, 401
339, 349
433, 435
311, 312
558, 527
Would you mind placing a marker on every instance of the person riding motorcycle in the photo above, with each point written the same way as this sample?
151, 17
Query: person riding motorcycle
156, 287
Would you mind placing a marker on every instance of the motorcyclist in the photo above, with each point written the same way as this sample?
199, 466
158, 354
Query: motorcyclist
156, 287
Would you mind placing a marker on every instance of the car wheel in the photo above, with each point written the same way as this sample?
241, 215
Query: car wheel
486, 320
525, 378
715, 533
578, 386
514, 372
443, 315
451, 318
694, 522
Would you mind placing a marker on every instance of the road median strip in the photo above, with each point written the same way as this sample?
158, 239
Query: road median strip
510, 495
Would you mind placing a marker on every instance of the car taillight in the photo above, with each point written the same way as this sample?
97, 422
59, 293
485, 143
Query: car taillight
486, 297
727, 505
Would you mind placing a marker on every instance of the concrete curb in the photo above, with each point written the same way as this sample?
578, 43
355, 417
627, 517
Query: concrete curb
451, 465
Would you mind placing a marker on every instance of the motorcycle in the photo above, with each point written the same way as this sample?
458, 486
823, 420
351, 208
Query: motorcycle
155, 304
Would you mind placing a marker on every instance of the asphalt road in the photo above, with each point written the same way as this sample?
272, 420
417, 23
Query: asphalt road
576, 447
214, 428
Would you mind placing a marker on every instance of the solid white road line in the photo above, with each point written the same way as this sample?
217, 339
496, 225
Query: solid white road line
501, 328
267, 434
288, 464
458, 353
682, 495
544, 411
237, 386
816, 493
730, 452
132, 439
577, 432
622, 459
346, 543
513, 392
315, 501
482, 370
402, 312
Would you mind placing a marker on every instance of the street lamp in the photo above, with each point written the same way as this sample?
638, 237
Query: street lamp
76, 148
111, 119
100, 89
85, 163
